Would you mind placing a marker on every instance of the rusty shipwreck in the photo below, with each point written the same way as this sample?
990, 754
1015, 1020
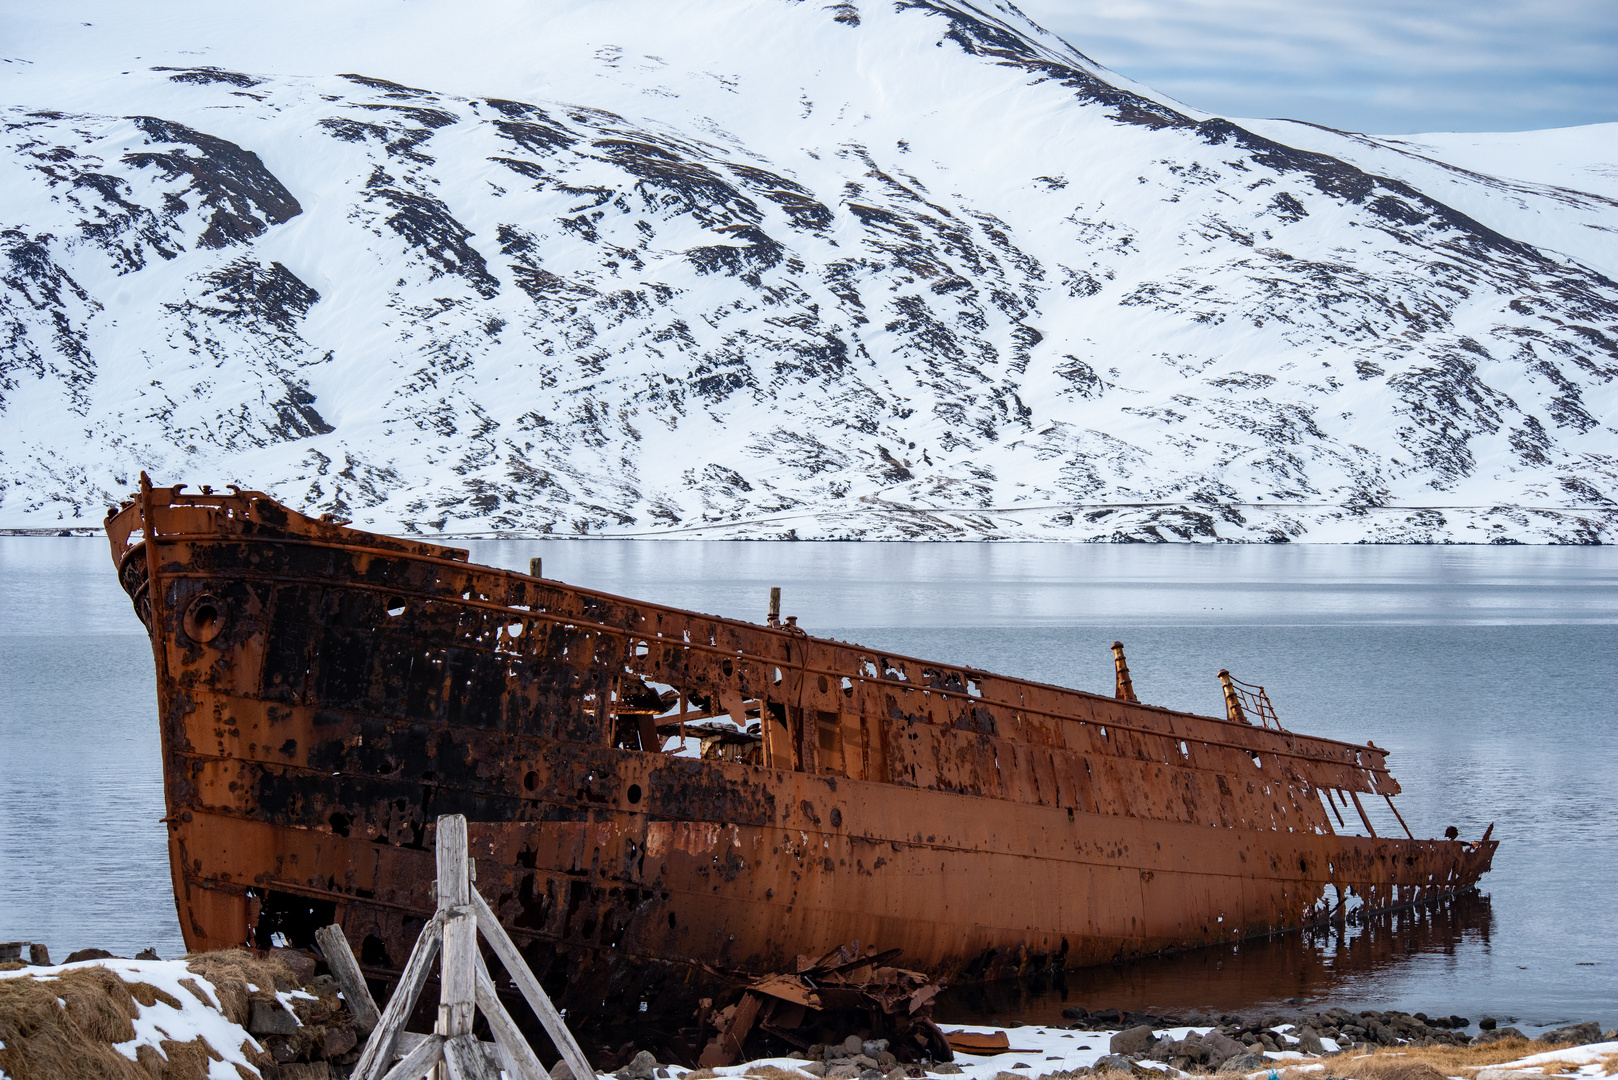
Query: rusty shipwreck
325, 693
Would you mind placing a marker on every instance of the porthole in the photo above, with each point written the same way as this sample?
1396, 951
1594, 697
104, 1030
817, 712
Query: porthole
204, 619
634, 793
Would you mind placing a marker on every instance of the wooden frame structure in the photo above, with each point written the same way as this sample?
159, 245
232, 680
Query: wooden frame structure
465, 988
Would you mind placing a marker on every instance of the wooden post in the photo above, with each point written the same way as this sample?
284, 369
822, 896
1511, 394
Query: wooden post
523, 976
346, 970
534, 565
774, 617
379, 1047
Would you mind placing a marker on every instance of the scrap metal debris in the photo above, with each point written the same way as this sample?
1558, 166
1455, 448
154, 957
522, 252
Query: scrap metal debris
844, 990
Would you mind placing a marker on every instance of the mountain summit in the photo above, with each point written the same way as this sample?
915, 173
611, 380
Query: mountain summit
768, 269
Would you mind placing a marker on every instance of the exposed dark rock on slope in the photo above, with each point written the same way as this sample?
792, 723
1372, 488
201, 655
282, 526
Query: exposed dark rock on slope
1024, 300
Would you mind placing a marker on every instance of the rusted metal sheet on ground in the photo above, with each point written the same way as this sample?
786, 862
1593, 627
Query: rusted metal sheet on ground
325, 693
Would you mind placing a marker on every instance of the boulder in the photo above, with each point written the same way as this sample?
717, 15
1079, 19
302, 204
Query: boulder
1579, 1034
1488, 1023
1075, 1012
643, 1066
814, 1068
1610, 1036
560, 1071
1309, 1041
1114, 1063
270, 1018
948, 1068
1496, 1035
842, 1070
1217, 1048
872, 1048
853, 1045
1135, 1040
1244, 1063
88, 954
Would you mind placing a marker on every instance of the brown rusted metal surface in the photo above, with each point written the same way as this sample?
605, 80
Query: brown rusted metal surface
324, 694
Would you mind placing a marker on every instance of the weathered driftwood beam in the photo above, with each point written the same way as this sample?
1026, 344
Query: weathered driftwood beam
346, 970
531, 991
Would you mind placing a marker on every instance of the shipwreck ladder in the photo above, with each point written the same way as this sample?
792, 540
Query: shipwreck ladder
1244, 700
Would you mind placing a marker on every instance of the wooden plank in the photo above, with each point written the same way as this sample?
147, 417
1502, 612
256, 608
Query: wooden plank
464, 1060
457, 982
450, 849
346, 970
409, 1040
521, 1062
428, 1052
532, 992
378, 1051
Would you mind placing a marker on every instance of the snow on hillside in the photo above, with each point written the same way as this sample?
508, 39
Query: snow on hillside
764, 268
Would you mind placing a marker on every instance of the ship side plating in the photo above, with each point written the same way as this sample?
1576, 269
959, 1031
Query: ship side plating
325, 693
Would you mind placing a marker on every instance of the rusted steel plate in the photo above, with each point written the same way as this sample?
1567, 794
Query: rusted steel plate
325, 693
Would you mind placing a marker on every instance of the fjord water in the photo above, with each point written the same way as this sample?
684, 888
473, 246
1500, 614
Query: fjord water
1490, 672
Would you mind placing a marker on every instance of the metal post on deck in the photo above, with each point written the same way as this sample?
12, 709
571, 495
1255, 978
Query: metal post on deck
1124, 690
1233, 702
774, 618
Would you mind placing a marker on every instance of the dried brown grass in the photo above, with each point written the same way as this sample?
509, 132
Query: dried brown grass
62, 1027
773, 1072
232, 971
1385, 1063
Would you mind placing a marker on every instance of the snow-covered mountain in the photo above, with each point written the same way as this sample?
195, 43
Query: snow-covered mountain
763, 268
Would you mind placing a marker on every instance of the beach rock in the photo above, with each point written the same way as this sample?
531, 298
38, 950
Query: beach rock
1075, 1012
948, 1068
560, 1071
863, 1061
1496, 1035
337, 1042
1218, 1048
643, 1066
1610, 1036
1244, 1063
270, 1018
88, 954
853, 1045
1579, 1034
1487, 1024
1135, 1040
147, 954
1309, 1041
842, 1070
814, 1068
873, 1048
1116, 1062
885, 1059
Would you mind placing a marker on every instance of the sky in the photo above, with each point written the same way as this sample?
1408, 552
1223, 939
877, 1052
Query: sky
1384, 67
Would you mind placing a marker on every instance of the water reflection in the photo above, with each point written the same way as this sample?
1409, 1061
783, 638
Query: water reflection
1327, 966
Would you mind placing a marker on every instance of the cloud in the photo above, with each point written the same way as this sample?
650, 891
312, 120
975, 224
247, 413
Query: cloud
1384, 66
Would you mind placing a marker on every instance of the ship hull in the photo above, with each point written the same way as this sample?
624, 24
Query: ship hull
325, 694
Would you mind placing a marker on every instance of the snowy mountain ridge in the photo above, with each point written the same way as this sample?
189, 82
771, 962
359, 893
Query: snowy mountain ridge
766, 269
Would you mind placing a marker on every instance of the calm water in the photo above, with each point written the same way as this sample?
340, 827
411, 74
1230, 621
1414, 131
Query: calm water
1491, 673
